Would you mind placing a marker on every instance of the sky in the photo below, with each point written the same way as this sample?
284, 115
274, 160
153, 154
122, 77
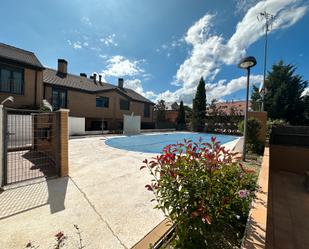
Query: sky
161, 47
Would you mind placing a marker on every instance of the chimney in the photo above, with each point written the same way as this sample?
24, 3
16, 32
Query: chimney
95, 78
100, 78
83, 75
120, 82
62, 67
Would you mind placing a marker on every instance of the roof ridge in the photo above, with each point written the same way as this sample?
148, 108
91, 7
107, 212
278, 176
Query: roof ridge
16, 48
76, 75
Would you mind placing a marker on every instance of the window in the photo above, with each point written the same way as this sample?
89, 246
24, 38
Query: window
124, 104
102, 102
96, 125
59, 98
11, 80
146, 110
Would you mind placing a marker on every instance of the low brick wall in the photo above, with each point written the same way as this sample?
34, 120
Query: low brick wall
289, 158
289, 148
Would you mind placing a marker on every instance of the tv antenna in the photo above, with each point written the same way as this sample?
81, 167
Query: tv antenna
268, 19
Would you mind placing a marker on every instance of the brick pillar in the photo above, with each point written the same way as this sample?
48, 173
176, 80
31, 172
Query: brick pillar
63, 137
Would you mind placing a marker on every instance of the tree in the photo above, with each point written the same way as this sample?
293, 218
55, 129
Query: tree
181, 118
283, 94
160, 109
199, 107
256, 99
253, 130
306, 108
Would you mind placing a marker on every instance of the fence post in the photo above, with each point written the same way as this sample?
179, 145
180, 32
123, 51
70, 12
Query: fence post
63, 137
1, 145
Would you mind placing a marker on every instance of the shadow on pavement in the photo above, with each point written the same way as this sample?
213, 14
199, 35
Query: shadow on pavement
28, 197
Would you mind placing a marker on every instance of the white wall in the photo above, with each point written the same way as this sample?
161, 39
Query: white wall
76, 126
131, 124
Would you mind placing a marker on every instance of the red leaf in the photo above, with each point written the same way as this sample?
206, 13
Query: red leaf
142, 167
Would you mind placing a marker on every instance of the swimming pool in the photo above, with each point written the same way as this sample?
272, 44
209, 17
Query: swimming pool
154, 143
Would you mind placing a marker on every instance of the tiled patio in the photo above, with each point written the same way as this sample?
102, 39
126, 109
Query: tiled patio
288, 212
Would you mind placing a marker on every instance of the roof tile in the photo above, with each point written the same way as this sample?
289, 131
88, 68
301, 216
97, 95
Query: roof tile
51, 76
19, 55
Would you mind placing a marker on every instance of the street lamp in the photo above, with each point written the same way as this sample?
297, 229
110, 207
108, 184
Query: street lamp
246, 63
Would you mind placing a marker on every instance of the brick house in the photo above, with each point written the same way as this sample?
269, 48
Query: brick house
101, 104
21, 76
229, 107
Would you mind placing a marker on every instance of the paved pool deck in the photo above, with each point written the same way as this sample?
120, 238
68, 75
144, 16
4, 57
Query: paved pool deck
104, 196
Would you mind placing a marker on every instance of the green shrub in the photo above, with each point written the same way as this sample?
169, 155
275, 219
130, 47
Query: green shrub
274, 122
254, 126
204, 191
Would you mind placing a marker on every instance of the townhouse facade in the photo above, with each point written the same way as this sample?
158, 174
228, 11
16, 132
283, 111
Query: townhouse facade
101, 104
21, 76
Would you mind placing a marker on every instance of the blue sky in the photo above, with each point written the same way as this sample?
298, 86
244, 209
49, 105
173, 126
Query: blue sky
161, 48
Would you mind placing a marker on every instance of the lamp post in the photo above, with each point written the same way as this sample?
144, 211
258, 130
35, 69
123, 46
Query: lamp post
246, 63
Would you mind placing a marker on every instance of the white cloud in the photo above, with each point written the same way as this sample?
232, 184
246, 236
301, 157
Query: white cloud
147, 76
213, 90
210, 51
244, 5
109, 40
305, 92
171, 46
86, 21
136, 85
224, 88
120, 66
75, 45
103, 56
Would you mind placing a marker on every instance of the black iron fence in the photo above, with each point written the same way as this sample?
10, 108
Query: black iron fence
28, 147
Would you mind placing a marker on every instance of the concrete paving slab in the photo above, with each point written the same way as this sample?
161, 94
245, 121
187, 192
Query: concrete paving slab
117, 187
39, 211
104, 196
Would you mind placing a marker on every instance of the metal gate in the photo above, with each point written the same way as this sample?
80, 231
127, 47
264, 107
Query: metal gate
29, 145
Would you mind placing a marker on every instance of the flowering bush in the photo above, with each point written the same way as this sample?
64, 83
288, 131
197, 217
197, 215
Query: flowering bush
204, 190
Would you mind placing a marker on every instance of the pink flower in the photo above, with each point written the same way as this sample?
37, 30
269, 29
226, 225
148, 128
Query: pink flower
206, 219
243, 193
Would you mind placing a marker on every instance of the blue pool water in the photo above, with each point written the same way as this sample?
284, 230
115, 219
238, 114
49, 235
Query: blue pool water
156, 142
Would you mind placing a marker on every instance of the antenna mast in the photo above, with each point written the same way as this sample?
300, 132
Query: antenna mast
268, 18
